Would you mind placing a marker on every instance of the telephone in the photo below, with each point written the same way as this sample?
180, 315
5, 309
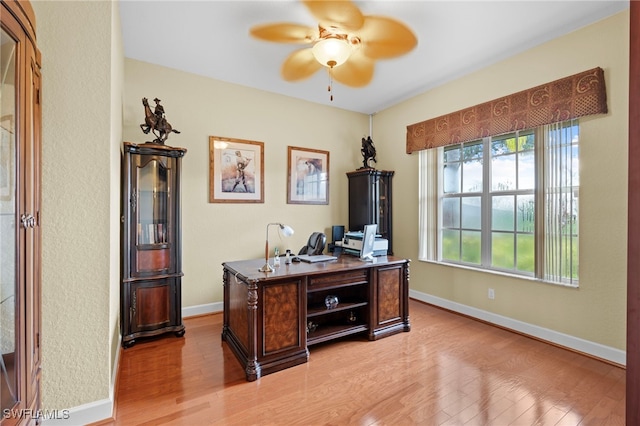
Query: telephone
315, 245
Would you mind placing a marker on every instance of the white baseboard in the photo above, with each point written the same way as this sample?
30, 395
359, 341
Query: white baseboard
208, 308
84, 414
575, 343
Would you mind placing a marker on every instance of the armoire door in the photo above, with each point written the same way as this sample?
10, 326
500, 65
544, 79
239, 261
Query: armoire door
20, 188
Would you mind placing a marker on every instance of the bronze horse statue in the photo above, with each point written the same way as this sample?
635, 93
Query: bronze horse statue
368, 152
156, 122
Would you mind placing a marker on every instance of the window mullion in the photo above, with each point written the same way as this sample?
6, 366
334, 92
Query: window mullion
539, 199
485, 203
460, 197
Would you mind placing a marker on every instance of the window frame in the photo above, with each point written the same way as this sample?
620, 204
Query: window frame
432, 216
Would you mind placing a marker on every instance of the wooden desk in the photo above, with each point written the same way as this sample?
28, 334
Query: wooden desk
270, 319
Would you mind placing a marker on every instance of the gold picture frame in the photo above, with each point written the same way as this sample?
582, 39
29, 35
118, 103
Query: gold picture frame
236, 170
308, 176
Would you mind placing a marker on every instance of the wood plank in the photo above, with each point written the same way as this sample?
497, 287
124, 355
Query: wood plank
449, 369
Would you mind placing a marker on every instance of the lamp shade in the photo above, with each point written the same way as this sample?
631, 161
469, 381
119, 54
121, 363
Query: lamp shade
331, 51
287, 231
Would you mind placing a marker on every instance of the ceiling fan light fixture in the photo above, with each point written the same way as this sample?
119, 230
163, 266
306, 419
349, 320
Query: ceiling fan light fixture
332, 51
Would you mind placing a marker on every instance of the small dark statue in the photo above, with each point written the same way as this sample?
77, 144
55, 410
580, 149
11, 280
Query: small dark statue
368, 151
155, 122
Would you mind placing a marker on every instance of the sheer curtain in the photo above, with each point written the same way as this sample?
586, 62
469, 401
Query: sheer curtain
561, 183
428, 203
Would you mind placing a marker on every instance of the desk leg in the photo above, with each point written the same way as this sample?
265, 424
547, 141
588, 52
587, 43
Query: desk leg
253, 370
405, 298
225, 304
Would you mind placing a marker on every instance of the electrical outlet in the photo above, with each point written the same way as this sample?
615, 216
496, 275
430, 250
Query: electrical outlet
492, 294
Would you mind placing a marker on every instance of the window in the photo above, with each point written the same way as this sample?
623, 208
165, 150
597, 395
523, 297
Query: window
508, 203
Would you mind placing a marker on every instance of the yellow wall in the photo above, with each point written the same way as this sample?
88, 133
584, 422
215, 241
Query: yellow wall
82, 64
596, 311
217, 232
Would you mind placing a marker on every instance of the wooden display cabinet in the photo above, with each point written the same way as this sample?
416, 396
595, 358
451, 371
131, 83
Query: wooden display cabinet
150, 295
370, 201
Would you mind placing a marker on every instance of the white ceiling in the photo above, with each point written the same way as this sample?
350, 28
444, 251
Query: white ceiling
211, 38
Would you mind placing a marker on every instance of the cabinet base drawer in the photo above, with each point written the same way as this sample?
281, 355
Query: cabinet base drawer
153, 260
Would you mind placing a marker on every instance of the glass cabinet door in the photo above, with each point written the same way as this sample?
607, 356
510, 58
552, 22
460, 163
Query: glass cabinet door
8, 236
153, 214
153, 202
383, 206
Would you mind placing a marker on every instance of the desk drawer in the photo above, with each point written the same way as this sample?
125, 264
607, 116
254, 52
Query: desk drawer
343, 279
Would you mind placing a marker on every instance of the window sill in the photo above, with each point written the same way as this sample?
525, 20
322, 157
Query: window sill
501, 273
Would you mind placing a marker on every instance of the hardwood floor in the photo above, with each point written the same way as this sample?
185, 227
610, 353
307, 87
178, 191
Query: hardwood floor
449, 370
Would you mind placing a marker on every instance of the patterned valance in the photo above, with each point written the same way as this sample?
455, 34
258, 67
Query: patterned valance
570, 97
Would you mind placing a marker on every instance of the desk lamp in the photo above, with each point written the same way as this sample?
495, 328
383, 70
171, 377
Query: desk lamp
287, 231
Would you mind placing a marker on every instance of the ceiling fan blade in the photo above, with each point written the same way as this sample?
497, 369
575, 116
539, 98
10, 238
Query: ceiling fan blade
285, 33
356, 72
384, 38
333, 13
299, 65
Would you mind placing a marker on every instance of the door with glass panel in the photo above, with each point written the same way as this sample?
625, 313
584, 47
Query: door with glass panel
20, 185
9, 290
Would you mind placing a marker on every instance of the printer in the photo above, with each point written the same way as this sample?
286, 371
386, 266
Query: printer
352, 244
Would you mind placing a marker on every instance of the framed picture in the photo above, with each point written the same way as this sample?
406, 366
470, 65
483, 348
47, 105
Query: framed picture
236, 170
308, 178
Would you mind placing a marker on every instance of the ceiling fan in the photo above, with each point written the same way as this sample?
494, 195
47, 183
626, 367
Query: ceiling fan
346, 42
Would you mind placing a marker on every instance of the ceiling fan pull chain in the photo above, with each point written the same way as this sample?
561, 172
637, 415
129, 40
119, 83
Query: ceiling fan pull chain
330, 88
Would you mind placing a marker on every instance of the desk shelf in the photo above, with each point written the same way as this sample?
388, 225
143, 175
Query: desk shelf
323, 334
342, 306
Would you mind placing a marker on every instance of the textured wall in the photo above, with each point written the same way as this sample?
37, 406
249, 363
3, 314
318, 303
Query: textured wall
596, 311
117, 95
75, 40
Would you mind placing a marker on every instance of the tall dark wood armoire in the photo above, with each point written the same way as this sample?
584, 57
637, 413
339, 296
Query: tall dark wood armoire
370, 201
20, 222
150, 293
